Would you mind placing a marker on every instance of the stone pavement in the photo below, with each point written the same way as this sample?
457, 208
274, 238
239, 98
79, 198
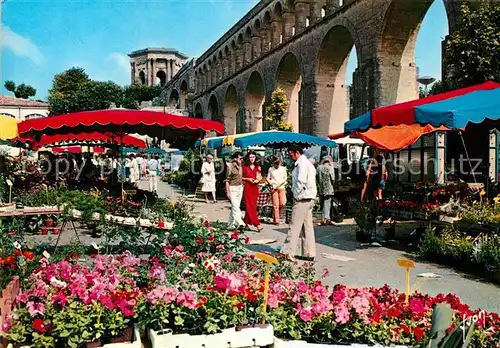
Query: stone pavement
354, 264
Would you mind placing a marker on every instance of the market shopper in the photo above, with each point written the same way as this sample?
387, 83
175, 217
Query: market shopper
153, 171
376, 179
234, 191
208, 178
277, 178
304, 193
252, 176
326, 180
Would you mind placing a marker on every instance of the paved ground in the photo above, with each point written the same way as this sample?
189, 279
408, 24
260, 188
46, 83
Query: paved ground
354, 264
348, 261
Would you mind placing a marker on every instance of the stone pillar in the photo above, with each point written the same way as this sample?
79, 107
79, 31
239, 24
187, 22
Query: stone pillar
302, 11
265, 35
332, 5
168, 73
316, 11
240, 57
276, 31
153, 73
288, 25
132, 73
256, 46
225, 67
214, 74
247, 51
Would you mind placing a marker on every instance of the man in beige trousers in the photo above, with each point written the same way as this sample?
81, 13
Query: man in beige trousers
304, 193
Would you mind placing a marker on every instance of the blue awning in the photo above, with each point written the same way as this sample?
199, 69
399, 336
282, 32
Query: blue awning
211, 143
360, 123
456, 113
281, 139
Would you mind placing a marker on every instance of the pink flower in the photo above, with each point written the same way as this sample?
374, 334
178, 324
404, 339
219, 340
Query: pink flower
417, 306
187, 299
35, 308
60, 299
272, 301
306, 313
158, 272
342, 315
302, 287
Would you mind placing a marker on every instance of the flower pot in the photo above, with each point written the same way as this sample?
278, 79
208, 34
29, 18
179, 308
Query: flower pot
49, 223
126, 336
136, 343
161, 224
44, 231
94, 344
258, 335
278, 343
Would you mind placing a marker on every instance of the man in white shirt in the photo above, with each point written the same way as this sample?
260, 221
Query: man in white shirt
153, 169
277, 178
304, 193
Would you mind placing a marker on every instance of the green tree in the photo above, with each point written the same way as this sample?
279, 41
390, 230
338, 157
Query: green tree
134, 95
473, 48
22, 91
436, 88
276, 111
74, 91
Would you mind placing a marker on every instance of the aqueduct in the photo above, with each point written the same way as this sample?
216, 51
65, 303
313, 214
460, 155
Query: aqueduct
303, 47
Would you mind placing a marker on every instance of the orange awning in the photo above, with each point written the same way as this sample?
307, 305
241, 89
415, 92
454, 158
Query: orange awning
395, 138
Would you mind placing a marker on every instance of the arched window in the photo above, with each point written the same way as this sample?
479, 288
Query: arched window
307, 22
34, 116
142, 78
323, 12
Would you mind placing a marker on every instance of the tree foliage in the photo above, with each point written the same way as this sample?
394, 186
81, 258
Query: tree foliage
73, 91
22, 91
473, 48
436, 88
276, 111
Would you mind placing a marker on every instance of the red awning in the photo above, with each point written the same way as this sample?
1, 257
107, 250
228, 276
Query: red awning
75, 149
403, 113
395, 138
118, 121
95, 137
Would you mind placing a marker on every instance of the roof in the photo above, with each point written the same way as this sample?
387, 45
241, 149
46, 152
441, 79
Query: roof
157, 50
13, 101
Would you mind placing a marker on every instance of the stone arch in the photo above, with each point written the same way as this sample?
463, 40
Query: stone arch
277, 25
198, 111
254, 102
289, 78
161, 78
142, 78
231, 110
398, 71
183, 96
173, 100
267, 18
7, 114
213, 108
332, 93
28, 117
289, 21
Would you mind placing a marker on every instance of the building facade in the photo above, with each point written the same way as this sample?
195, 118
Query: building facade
22, 109
303, 46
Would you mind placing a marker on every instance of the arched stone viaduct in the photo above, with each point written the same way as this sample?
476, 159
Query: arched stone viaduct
303, 47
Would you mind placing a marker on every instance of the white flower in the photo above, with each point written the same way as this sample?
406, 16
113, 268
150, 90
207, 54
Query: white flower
46, 254
57, 283
95, 246
17, 245
192, 265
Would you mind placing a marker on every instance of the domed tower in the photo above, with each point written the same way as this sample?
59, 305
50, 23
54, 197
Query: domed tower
155, 66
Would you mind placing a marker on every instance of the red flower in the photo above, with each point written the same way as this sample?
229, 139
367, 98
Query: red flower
9, 260
235, 235
17, 252
207, 223
240, 305
29, 255
405, 328
199, 240
247, 240
419, 333
39, 325
211, 238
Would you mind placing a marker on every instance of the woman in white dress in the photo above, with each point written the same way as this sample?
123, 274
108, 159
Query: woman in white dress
208, 178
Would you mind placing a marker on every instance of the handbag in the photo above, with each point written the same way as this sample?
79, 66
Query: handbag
202, 180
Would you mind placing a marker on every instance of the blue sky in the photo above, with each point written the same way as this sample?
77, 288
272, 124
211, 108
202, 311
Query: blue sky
45, 37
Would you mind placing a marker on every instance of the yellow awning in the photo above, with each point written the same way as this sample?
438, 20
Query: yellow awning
8, 128
229, 140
